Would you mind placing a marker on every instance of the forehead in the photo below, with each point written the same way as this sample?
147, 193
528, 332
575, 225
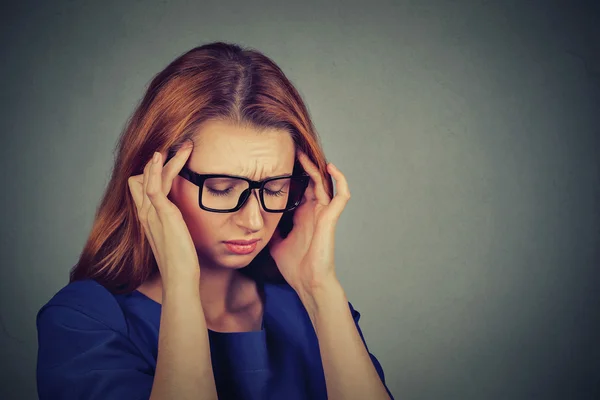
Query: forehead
223, 147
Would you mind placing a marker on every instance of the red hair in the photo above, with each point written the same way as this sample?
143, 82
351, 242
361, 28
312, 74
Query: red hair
214, 81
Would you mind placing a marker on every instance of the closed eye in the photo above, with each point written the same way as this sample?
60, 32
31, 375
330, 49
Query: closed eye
216, 192
275, 194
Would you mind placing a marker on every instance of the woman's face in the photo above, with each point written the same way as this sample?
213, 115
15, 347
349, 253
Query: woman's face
223, 148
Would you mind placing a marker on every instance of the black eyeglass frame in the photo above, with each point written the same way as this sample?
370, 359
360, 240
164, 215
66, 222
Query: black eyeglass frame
198, 180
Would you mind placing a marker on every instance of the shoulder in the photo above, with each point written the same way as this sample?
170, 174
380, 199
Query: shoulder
87, 299
284, 304
283, 293
283, 296
84, 350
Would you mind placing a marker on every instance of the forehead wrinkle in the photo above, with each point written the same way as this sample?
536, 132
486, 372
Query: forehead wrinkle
261, 170
244, 153
223, 162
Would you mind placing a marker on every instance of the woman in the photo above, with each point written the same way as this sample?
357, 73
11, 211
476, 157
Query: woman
218, 226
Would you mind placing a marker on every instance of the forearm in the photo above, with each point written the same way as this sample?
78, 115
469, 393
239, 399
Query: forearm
183, 368
349, 371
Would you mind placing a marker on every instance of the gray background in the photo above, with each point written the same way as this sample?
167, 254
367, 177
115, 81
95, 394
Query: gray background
468, 131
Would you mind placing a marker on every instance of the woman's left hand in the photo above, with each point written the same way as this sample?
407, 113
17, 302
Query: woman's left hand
305, 257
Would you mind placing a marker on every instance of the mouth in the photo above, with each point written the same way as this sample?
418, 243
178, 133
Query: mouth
242, 242
241, 246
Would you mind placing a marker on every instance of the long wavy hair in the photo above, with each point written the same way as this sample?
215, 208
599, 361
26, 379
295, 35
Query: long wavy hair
214, 81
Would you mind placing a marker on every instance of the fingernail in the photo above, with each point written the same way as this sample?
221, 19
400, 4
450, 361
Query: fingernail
155, 158
188, 143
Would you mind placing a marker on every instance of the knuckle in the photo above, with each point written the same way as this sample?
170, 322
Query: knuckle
152, 191
131, 181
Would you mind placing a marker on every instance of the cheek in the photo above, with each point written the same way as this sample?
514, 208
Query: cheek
206, 228
203, 225
271, 221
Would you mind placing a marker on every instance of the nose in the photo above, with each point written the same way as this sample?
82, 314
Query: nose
250, 216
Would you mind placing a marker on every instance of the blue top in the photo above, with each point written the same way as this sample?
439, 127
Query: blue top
97, 345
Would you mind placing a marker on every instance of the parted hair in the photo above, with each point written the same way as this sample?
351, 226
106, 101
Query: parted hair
220, 81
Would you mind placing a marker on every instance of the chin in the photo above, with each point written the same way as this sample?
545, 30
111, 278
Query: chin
233, 261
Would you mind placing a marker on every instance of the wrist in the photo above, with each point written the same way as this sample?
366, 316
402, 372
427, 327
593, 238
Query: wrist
317, 298
188, 283
317, 282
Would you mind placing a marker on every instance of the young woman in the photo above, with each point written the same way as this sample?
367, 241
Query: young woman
209, 271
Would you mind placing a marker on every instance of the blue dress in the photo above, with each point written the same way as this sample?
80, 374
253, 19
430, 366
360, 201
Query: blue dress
97, 345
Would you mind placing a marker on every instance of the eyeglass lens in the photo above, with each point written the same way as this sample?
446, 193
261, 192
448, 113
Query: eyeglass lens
224, 193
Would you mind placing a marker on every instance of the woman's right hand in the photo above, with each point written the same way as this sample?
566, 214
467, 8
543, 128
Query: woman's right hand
183, 369
163, 222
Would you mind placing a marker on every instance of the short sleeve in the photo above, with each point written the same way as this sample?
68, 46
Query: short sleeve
81, 357
376, 364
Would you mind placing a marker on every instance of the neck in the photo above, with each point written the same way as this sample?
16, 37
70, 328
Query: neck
222, 291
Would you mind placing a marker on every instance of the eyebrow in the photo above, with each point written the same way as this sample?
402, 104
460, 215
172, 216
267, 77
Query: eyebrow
240, 176
247, 177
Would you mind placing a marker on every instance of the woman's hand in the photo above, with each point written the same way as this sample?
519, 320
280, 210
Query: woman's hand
184, 368
305, 257
163, 222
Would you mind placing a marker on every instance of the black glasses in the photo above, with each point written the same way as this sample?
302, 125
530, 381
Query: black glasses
225, 193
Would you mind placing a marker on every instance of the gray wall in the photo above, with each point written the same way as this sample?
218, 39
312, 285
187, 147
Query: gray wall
468, 131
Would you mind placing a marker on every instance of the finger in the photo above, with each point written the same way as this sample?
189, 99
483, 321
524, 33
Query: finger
304, 214
339, 201
154, 187
172, 168
311, 169
304, 217
309, 193
136, 187
146, 204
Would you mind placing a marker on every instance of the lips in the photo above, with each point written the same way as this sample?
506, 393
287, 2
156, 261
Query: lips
242, 242
241, 247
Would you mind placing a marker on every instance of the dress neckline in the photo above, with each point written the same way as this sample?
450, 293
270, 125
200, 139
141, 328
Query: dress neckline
262, 289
